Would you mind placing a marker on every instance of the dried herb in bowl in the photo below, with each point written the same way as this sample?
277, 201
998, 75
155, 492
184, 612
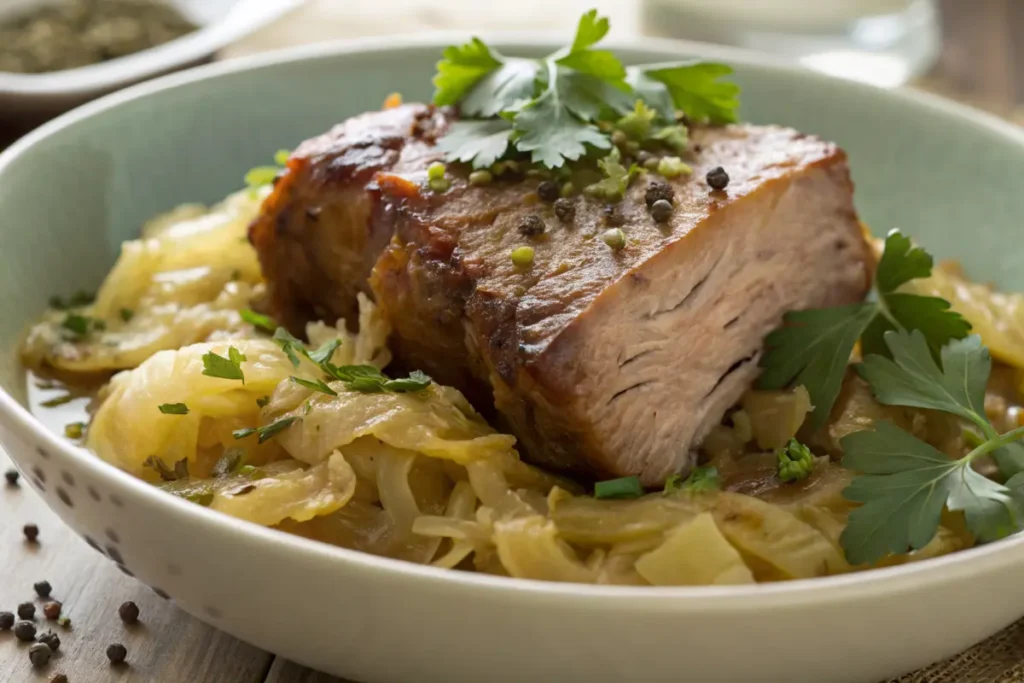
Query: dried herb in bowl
78, 33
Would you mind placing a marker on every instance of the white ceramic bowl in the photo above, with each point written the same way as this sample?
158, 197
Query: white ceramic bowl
221, 22
71, 191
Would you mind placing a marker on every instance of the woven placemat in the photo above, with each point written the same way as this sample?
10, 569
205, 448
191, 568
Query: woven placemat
1000, 659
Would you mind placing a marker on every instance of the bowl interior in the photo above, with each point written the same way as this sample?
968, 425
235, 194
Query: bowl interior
72, 192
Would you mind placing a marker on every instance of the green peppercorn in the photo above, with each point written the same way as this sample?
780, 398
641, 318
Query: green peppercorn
619, 138
39, 654
25, 631
670, 167
64, 621
717, 178
480, 178
565, 209
522, 257
548, 190
116, 653
530, 226
74, 430
6, 621
439, 185
651, 164
661, 211
26, 610
11, 476
614, 238
436, 170
567, 189
42, 588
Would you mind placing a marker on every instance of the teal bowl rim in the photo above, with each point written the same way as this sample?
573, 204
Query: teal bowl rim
961, 565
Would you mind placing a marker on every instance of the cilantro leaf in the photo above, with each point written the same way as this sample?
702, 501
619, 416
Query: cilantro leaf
696, 89
503, 89
813, 349
990, 509
315, 385
478, 142
653, 92
552, 134
929, 314
589, 31
173, 408
912, 378
266, 432
224, 368
592, 99
905, 485
460, 69
901, 262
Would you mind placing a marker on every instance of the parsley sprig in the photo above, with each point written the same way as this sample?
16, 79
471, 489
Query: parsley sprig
814, 347
702, 478
904, 482
550, 108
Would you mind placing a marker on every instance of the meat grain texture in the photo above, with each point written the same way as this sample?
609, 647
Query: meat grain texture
603, 362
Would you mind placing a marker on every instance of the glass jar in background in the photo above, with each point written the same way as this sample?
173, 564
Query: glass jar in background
883, 42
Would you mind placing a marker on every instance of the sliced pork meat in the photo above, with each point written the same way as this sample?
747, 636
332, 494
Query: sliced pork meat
602, 361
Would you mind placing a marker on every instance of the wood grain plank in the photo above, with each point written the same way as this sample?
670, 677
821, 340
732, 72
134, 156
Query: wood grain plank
285, 671
168, 646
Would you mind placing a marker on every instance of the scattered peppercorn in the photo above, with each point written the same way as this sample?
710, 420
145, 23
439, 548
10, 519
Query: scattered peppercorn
51, 639
40, 654
522, 257
11, 476
565, 209
51, 610
612, 215
116, 653
530, 226
661, 210
717, 178
548, 190
59, 678
64, 621
31, 532
25, 631
439, 185
643, 156
619, 138
567, 189
26, 610
129, 612
6, 621
659, 189
652, 163
614, 238
481, 178
436, 170
42, 588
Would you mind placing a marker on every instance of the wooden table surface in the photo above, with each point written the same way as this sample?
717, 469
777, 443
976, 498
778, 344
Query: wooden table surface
982, 63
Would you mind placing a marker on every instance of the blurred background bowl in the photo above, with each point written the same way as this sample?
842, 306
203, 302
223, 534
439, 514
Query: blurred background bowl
28, 99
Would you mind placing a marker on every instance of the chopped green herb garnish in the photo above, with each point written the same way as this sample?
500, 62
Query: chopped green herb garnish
671, 167
266, 432
127, 314
262, 176
617, 178
204, 498
315, 385
74, 430
624, 487
78, 326
173, 408
224, 368
815, 345
76, 300
904, 482
325, 352
229, 463
281, 157
263, 401
177, 473
550, 108
291, 346
702, 478
258, 320
795, 461
58, 401
370, 380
